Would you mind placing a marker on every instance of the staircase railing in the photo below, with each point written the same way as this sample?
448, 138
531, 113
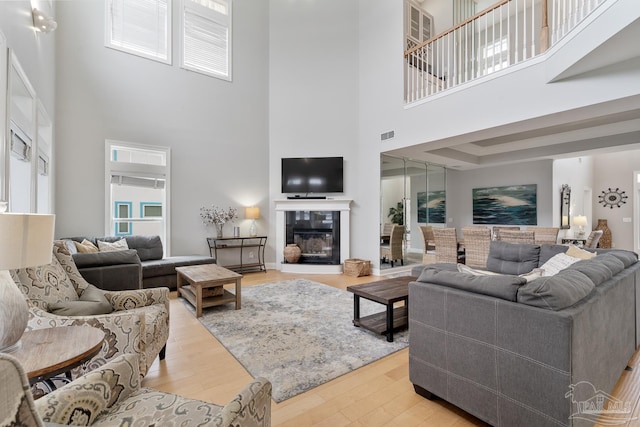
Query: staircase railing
505, 34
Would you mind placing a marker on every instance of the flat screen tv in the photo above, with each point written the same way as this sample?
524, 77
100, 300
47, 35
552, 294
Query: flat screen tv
312, 175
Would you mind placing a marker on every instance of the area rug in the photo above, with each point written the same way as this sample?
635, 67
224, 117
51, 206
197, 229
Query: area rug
298, 334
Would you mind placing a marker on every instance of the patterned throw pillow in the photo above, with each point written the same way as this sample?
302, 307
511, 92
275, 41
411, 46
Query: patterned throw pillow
557, 263
119, 245
46, 284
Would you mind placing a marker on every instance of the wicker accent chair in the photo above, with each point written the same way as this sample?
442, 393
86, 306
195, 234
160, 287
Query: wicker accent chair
497, 228
476, 246
513, 236
593, 239
428, 243
544, 235
393, 250
112, 396
446, 242
134, 321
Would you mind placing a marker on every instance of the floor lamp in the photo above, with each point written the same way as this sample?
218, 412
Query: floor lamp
27, 241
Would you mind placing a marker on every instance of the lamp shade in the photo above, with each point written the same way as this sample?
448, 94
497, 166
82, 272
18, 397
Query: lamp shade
252, 212
26, 240
580, 220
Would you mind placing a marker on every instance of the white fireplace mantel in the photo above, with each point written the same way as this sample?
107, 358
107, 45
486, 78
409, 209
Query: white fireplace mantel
282, 206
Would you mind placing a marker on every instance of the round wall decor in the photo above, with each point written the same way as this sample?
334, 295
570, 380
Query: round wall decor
611, 198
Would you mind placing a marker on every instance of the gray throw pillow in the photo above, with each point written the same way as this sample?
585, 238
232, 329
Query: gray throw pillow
91, 302
556, 292
512, 258
504, 287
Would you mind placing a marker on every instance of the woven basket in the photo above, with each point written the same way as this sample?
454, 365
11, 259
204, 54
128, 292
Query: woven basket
357, 267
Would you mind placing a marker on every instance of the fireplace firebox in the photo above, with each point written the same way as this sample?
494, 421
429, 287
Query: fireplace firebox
317, 234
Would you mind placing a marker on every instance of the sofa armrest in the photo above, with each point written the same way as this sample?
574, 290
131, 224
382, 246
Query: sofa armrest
84, 399
250, 408
119, 277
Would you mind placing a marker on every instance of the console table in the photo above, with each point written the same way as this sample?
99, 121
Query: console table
240, 244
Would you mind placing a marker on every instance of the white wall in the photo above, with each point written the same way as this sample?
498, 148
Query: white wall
217, 130
615, 170
461, 183
313, 95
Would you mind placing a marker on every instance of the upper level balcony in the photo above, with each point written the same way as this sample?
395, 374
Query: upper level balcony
503, 35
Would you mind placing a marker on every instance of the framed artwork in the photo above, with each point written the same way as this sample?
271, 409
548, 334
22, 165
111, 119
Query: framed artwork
431, 207
510, 205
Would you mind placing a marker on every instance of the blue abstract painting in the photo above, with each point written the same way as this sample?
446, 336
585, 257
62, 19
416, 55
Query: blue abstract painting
432, 207
511, 205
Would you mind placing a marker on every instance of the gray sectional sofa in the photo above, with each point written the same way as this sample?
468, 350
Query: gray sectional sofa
518, 353
140, 266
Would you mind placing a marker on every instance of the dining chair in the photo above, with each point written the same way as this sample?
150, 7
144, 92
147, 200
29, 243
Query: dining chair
593, 239
513, 236
446, 242
476, 245
393, 250
497, 228
544, 235
428, 243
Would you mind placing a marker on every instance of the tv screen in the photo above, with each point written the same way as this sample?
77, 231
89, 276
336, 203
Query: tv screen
312, 175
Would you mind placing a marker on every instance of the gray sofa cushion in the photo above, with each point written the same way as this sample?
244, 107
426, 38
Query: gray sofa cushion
556, 292
148, 247
597, 272
167, 266
512, 258
628, 258
504, 287
613, 263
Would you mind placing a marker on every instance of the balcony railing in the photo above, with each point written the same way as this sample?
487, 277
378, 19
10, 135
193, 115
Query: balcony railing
506, 34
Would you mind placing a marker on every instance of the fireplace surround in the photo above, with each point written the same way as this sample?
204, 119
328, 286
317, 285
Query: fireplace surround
320, 227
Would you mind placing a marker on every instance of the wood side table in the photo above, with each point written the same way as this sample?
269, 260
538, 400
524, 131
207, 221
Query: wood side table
46, 353
193, 280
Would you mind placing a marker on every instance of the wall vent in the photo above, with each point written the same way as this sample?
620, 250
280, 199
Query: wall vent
387, 135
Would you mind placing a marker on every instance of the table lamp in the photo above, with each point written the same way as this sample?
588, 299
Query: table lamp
27, 241
252, 213
580, 221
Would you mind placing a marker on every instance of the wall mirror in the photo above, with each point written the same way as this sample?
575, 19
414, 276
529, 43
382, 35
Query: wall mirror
565, 203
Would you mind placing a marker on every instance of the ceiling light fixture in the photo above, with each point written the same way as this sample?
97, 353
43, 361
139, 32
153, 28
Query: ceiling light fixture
43, 22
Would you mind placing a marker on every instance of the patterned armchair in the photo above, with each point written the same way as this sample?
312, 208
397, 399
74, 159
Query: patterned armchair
112, 396
134, 321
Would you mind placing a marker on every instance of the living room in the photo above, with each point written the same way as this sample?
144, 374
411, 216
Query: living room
308, 79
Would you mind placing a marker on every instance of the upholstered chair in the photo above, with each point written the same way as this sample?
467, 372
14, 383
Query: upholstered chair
134, 321
111, 396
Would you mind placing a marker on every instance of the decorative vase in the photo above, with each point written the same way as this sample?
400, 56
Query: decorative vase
292, 253
605, 239
219, 230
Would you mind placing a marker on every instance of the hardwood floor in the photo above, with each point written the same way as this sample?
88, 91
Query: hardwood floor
379, 394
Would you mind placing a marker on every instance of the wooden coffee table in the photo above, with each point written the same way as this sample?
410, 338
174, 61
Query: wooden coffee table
194, 280
386, 292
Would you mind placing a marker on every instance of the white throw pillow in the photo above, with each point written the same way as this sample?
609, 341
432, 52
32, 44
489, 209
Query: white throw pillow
119, 245
466, 269
557, 263
533, 274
